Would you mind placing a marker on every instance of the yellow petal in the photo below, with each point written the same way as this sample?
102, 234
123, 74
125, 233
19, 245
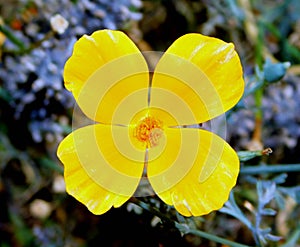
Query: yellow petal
104, 69
97, 172
204, 72
198, 175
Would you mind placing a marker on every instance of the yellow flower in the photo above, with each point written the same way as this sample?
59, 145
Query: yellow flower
140, 122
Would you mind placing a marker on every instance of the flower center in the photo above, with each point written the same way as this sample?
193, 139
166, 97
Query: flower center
149, 131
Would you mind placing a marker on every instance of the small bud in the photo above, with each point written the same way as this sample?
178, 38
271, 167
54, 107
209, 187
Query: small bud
248, 155
40, 209
156, 220
267, 151
59, 24
59, 185
273, 72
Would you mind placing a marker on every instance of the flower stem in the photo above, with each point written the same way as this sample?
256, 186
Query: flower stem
249, 170
184, 228
258, 95
19, 43
152, 210
12, 37
216, 238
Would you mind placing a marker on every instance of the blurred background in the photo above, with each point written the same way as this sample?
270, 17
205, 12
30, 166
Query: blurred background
36, 39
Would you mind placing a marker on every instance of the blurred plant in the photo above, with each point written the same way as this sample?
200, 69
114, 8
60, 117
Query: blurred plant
33, 58
266, 192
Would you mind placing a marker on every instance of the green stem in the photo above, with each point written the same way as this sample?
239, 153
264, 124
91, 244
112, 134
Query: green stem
258, 103
249, 170
185, 229
215, 238
152, 210
258, 95
12, 37
46, 162
22, 49
38, 43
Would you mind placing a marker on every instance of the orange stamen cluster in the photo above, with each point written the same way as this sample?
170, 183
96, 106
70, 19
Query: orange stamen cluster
149, 131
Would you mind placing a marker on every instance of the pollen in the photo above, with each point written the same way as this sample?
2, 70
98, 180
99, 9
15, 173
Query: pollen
149, 131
